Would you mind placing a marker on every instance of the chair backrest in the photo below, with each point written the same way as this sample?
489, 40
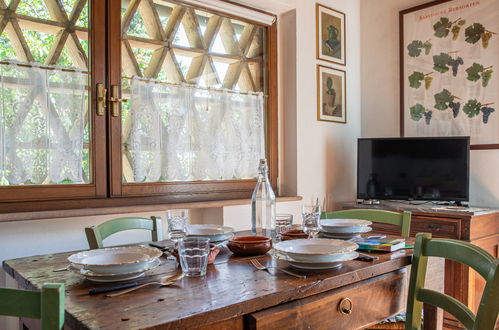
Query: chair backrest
395, 218
96, 234
466, 253
47, 304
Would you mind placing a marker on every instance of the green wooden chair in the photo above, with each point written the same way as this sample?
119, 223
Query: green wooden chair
96, 234
399, 219
47, 304
473, 256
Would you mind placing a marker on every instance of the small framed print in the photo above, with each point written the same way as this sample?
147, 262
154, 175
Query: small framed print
331, 95
330, 35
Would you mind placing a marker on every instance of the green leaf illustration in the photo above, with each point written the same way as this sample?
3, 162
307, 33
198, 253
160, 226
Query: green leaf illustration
474, 32
415, 48
472, 108
441, 62
486, 76
474, 72
417, 112
442, 98
415, 79
442, 27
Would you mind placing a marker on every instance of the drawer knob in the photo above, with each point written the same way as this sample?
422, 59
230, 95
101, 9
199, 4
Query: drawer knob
345, 306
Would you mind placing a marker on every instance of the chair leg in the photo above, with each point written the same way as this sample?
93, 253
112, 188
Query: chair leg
433, 317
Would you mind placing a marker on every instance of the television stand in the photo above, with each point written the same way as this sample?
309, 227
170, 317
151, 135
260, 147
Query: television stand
369, 201
479, 226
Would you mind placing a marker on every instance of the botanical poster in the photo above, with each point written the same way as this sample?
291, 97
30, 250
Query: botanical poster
450, 68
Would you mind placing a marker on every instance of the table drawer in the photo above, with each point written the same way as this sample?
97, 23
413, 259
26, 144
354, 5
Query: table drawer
444, 228
363, 304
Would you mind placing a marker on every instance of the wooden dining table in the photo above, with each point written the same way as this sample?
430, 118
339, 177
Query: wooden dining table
233, 294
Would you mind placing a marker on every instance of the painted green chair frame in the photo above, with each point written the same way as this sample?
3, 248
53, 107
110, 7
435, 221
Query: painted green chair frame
96, 234
394, 218
466, 253
47, 304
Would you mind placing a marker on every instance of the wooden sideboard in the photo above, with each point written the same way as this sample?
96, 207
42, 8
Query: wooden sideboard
476, 225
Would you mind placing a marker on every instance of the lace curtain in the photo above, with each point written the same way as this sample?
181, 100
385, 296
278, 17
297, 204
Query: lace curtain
41, 125
182, 133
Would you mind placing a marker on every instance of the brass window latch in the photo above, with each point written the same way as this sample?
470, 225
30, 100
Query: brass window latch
114, 99
101, 99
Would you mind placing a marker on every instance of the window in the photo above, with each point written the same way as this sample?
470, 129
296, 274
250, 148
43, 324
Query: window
190, 102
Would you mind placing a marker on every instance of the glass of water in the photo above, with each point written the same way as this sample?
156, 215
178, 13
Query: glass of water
193, 253
177, 221
311, 214
283, 223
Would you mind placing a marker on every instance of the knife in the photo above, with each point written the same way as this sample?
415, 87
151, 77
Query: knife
104, 289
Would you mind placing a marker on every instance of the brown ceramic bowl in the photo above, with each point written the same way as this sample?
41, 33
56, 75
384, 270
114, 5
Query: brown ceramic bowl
293, 234
249, 245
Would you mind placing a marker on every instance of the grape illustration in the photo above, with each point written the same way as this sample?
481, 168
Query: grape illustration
455, 63
486, 111
455, 106
427, 82
427, 117
485, 38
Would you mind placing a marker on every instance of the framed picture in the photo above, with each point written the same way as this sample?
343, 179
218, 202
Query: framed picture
449, 67
331, 95
330, 35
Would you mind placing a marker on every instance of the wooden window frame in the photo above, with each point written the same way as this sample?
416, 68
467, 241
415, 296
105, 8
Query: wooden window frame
107, 189
98, 169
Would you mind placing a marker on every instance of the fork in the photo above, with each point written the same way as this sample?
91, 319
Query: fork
259, 266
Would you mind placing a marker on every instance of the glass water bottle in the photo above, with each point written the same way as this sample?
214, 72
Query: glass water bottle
263, 204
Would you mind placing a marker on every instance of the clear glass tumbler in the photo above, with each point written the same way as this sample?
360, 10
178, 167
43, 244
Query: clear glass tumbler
311, 214
283, 223
193, 253
177, 221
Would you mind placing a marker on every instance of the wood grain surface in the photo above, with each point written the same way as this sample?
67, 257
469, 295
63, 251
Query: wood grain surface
231, 289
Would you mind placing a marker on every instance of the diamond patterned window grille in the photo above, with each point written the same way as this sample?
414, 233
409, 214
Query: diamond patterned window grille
44, 33
167, 42
170, 42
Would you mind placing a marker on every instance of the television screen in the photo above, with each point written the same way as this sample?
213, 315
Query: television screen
413, 168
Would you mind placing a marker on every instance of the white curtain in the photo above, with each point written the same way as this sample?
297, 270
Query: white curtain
41, 125
182, 133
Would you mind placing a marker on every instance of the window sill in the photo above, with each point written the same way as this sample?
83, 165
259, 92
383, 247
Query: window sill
52, 214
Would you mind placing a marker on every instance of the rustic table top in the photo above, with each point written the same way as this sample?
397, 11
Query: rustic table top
230, 289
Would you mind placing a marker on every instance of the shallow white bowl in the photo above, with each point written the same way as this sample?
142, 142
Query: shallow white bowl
345, 225
116, 260
315, 250
215, 233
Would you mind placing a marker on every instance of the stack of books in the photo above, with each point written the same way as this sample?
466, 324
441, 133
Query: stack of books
381, 244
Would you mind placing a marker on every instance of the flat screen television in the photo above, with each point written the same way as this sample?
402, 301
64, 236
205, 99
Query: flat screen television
435, 168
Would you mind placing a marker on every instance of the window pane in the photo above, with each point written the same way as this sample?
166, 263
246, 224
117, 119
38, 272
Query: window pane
195, 82
44, 84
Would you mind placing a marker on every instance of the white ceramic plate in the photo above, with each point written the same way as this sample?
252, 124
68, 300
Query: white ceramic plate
315, 250
215, 233
345, 225
96, 277
318, 265
116, 260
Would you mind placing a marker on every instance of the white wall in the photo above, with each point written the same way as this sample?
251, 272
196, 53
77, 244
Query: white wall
380, 91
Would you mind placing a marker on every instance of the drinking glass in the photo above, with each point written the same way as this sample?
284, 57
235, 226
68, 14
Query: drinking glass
193, 253
283, 223
311, 214
177, 221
